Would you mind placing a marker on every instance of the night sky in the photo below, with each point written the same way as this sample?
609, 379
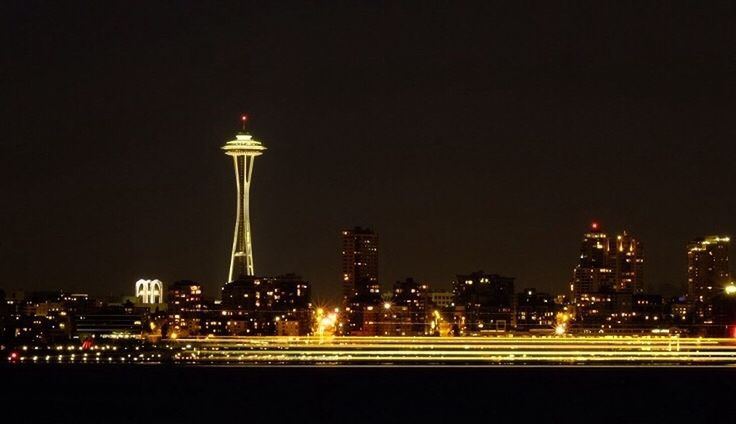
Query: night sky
469, 137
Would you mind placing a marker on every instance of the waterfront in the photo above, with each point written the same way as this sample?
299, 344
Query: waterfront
393, 351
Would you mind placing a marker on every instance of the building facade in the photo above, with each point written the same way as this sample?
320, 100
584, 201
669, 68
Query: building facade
608, 263
261, 306
535, 310
485, 301
593, 272
442, 299
707, 274
415, 297
359, 263
185, 308
626, 259
360, 285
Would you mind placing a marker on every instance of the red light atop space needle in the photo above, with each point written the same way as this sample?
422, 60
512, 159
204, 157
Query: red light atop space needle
594, 225
243, 119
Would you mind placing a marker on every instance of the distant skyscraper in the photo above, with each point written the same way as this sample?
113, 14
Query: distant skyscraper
608, 264
609, 272
361, 290
243, 150
707, 272
592, 272
359, 263
626, 258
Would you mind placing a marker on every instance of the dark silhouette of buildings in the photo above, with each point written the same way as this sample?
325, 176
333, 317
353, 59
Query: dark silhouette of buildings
260, 305
535, 310
415, 297
485, 302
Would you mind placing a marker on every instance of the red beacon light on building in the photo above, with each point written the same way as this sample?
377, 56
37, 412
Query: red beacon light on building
594, 226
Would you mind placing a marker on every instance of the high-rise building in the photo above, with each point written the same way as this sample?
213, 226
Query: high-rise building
592, 272
626, 259
244, 150
360, 264
707, 273
608, 263
361, 289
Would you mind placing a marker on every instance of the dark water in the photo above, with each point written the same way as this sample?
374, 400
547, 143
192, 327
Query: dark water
143, 394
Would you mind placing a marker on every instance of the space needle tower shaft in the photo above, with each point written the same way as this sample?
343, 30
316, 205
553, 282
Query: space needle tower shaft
244, 150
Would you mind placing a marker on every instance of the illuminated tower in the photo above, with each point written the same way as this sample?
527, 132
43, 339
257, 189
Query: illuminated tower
592, 272
627, 261
359, 263
243, 150
361, 290
707, 272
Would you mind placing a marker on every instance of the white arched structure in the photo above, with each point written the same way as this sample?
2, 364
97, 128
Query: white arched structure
149, 291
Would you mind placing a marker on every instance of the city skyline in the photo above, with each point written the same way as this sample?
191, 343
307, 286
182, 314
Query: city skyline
465, 210
244, 148
457, 150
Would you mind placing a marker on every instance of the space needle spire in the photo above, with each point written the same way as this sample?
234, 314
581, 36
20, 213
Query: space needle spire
243, 150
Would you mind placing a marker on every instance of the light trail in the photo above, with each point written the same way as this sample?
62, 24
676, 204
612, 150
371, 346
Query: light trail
404, 351
460, 350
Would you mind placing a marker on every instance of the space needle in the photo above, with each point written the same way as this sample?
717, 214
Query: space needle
243, 150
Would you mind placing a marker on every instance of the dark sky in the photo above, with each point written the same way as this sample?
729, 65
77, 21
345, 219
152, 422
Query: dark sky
470, 137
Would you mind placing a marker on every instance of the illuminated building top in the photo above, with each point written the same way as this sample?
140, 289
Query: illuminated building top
244, 144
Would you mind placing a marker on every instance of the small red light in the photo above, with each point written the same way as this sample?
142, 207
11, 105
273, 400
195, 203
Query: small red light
594, 225
13, 355
87, 344
244, 118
